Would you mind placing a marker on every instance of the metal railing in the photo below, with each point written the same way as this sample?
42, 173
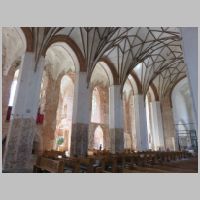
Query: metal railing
186, 136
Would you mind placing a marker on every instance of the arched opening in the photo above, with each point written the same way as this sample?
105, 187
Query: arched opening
64, 115
9, 107
13, 50
56, 104
98, 138
128, 115
99, 103
131, 87
38, 140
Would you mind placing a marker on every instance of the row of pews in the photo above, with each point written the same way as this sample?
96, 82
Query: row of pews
105, 162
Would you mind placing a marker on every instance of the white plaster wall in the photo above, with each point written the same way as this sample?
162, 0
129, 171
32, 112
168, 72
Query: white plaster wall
190, 50
179, 108
182, 101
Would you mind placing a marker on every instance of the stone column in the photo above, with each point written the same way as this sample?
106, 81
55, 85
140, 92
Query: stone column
157, 125
140, 123
23, 122
190, 51
116, 126
81, 116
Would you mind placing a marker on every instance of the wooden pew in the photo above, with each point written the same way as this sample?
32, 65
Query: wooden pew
71, 165
53, 154
44, 164
110, 163
104, 161
129, 160
86, 164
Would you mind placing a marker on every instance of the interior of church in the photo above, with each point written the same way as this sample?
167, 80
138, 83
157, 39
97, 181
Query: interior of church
99, 100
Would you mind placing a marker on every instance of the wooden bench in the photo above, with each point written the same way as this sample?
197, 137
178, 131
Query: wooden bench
86, 164
71, 165
53, 154
48, 165
110, 163
104, 161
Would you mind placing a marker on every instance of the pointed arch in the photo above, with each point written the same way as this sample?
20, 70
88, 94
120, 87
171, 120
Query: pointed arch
112, 69
72, 44
153, 92
136, 83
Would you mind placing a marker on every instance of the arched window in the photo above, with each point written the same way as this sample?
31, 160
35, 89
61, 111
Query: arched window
95, 117
13, 88
12, 95
98, 138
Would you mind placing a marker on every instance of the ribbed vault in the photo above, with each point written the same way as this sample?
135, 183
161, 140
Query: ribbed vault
157, 50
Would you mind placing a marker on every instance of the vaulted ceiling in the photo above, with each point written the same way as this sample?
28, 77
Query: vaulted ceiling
153, 53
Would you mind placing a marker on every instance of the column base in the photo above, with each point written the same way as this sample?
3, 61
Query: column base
117, 140
18, 152
79, 139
